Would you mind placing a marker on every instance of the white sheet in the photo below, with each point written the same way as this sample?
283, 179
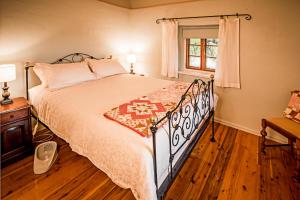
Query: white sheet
76, 115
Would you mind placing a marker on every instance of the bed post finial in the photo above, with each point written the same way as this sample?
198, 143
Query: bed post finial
27, 66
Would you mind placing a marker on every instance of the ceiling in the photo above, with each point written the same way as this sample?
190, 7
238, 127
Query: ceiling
134, 4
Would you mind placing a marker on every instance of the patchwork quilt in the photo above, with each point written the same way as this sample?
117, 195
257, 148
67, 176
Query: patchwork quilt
293, 110
138, 113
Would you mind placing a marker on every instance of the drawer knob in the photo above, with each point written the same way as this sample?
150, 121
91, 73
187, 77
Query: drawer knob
11, 116
12, 129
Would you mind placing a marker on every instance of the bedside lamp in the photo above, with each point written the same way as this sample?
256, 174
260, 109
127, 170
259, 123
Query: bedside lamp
7, 73
131, 58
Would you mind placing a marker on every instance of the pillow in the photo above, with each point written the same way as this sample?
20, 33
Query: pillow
105, 67
39, 70
55, 76
293, 110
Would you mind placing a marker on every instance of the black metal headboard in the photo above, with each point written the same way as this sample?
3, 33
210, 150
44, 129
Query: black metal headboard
74, 57
71, 58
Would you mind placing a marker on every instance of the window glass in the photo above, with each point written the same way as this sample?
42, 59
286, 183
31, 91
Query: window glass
211, 53
195, 61
195, 50
202, 53
195, 41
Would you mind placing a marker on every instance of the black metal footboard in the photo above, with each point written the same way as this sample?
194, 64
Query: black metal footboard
186, 124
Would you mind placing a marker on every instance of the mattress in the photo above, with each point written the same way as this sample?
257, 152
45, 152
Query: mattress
75, 114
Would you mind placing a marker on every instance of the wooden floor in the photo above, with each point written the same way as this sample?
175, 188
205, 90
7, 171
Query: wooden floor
231, 168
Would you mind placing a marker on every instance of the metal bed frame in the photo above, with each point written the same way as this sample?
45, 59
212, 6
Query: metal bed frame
186, 122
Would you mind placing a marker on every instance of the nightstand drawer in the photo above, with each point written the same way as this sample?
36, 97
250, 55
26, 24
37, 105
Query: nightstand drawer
13, 116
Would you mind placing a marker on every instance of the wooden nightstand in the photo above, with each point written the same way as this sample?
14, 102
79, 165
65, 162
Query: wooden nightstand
16, 135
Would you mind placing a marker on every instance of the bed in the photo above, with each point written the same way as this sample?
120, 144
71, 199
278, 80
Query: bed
146, 165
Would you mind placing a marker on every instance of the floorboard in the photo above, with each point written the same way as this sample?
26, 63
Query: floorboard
230, 168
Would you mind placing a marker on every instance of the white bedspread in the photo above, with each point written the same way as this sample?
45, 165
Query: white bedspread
76, 115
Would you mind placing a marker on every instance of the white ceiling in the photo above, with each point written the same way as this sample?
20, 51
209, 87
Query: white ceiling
133, 4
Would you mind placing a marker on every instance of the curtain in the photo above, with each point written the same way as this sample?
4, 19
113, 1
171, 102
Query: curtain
227, 72
170, 48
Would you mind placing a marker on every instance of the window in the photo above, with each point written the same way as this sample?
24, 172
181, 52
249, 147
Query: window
201, 54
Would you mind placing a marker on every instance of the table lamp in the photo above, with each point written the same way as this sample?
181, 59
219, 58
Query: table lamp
131, 58
7, 73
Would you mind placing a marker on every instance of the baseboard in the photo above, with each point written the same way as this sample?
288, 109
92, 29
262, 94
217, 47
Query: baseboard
248, 130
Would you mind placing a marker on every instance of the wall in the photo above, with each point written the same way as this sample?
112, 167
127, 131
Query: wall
269, 48
41, 30
45, 30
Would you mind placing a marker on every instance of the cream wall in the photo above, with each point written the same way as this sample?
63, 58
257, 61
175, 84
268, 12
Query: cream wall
44, 30
269, 48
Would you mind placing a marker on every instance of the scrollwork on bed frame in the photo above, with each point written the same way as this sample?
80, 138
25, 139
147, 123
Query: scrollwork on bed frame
75, 57
186, 122
71, 58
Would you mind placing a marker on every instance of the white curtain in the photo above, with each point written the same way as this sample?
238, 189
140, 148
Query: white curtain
170, 48
227, 72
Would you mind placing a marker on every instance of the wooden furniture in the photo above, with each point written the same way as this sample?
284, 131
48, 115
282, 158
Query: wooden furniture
287, 128
16, 136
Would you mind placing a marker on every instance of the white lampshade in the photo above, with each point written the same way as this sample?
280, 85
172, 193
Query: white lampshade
7, 72
131, 58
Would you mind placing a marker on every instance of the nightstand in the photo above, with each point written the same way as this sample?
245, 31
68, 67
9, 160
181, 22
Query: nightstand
16, 135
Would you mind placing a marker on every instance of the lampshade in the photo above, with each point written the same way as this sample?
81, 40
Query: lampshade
131, 58
7, 72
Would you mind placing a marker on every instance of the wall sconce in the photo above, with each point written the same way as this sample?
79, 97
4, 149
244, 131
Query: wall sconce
7, 73
131, 58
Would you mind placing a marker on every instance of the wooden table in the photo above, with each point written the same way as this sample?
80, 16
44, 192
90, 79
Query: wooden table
287, 128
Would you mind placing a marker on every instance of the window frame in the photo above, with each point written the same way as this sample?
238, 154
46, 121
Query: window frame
202, 56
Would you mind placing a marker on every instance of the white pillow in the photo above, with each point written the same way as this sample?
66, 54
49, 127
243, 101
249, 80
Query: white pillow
39, 70
55, 76
105, 67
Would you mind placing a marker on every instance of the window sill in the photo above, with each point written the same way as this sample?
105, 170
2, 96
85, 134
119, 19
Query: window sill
198, 73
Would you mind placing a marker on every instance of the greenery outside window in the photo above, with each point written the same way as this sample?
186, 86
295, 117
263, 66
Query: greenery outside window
201, 54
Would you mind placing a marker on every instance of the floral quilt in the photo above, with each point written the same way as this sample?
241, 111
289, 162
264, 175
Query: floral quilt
137, 114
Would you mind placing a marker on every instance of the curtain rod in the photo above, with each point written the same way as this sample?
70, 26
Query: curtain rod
247, 17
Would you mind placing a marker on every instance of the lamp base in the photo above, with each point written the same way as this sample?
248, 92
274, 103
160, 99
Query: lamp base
6, 100
131, 69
